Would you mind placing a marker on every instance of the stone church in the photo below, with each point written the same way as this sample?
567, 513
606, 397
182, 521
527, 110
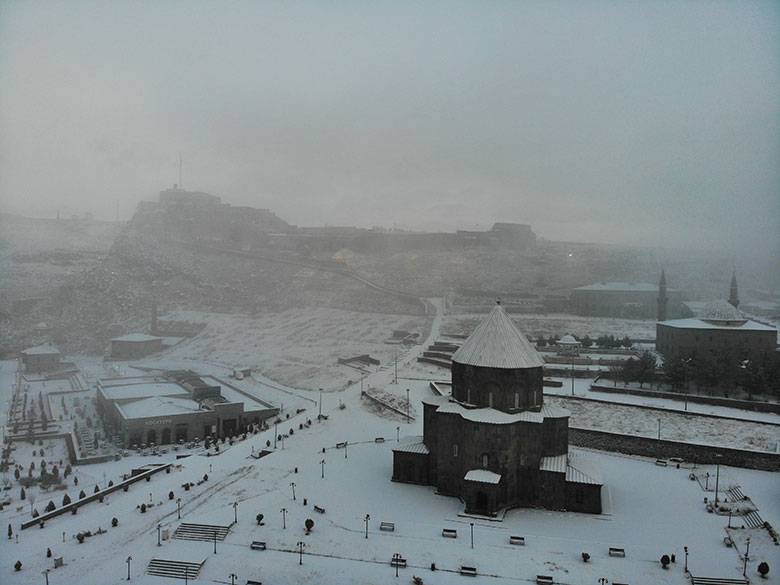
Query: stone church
493, 442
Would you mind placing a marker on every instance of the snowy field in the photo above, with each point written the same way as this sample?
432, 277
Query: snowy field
356, 483
297, 347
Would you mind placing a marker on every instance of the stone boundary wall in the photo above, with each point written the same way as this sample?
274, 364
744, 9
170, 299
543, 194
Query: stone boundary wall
75, 504
696, 398
692, 452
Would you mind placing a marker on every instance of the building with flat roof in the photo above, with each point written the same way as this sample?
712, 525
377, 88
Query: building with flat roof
135, 345
493, 442
639, 300
41, 358
176, 406
721, 330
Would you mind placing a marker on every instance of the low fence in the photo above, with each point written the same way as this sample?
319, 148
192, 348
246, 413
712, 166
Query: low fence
662, 449
695, 398
74, 505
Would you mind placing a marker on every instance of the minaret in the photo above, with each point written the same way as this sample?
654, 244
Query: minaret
662, 298
733, 292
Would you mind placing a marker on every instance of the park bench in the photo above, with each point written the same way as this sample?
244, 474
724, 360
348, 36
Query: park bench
318, 509
617, 552
341, 445
257, 545
467, 571
387, 526
379, 440
543, 580
517, 540
253, 582
662, 462
398, 562
616, 583
449, 533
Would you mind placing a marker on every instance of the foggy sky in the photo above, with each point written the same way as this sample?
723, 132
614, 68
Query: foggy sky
643, 123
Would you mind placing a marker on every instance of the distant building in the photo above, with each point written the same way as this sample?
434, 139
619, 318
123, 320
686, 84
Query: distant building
494, 443
635, 300
721, 330
134, 346
177, 407
41, 358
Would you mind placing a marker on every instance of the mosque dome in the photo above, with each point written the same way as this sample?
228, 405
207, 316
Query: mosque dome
721, 312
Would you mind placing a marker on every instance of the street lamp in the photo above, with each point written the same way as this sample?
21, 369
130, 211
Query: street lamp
128, 567
685, 548
345, 448
367, 519
603, 581
159, 526
276, 432
215, 542
397, 434
235, 512
292, 485
717, 477
408, 418
178, 508
46, 574
747, 557
472, 534
300, 552
659, 429
233, 578
284, 518
322, 465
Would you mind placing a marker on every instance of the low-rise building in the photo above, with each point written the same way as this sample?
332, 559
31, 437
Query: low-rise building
134, 346
179, 406
41, 358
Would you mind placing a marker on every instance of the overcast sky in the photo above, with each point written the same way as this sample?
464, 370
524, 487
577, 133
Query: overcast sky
628, 122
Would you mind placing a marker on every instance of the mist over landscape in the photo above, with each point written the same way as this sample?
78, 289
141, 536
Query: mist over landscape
493, 285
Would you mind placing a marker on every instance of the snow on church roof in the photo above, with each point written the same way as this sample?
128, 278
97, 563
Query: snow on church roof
414, 446
482, 476
492, 415
497, 343
576, 470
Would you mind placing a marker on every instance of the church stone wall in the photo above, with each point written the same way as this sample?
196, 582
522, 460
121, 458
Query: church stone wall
474, 385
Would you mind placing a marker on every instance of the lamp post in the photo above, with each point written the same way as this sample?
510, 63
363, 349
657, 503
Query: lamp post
128, 567
233, 578
276, 432
685, 548
603, 581
46, 574
397, 434
659, 429
292, 485
215, 542
284, 518
472, 534
408, 418
717, 477
320, 402
300, 552
747, 557
346, 443
178, 508
322, 465
159, 526
367, 519
235, 512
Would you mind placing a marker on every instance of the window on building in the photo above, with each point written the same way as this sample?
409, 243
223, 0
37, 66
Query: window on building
468, 395
485, 460
455, 450
490, 399
517, 400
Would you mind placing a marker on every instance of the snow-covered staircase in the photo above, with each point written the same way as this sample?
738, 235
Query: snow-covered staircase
174, 569
736, 493
187, 531
717, 581
753, 520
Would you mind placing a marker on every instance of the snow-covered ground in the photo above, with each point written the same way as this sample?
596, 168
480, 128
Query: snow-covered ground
649, 510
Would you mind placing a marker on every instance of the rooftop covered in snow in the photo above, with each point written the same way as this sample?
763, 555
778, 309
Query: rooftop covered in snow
498, 343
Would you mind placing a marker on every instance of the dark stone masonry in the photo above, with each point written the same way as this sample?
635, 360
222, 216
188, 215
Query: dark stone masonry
494, 443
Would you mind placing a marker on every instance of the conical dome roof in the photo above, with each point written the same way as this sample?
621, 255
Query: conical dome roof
498, 343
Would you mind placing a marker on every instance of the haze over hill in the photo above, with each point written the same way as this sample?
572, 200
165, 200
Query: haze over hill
593, 121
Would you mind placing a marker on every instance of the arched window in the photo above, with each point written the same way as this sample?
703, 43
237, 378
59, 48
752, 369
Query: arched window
485, 460
490, 399
517, 400
468, 394
455, 450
